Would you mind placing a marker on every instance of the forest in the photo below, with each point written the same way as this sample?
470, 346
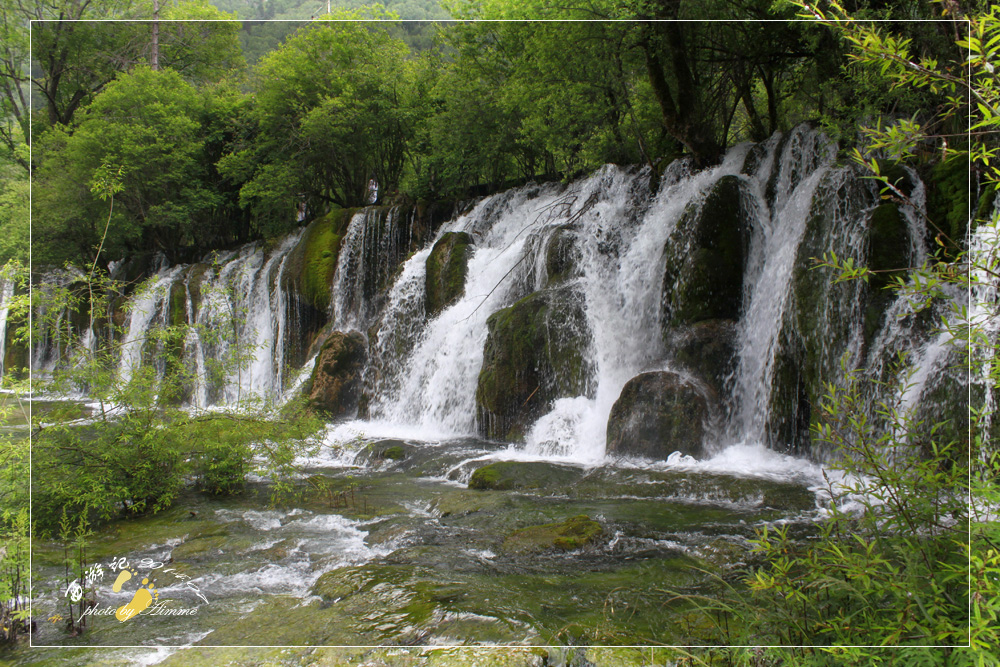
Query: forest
656, 332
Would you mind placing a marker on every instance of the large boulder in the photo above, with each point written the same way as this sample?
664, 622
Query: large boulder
536, 352
706, 257
335, 385
447, 266
658, 413
312, 263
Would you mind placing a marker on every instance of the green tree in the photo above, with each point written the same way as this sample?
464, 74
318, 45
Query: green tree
330, 113
73, 58
163, 135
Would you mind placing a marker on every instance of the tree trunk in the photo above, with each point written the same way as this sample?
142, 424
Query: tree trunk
154, 59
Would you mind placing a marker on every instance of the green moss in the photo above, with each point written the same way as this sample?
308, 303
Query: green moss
178, 304
394, 450
535, 353
319, 261
447, 265
195, 279
506, 475
561, 257
488, 477
705, 258
948, 198
573, 533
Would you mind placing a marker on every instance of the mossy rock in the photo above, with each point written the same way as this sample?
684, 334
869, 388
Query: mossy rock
195, 280
888, 258
791, 409
313, 262
487, 656
820, 322
573, 533
203, 547
657, 414
177, 305
335, 385
536, 352
948, 199
384, 450
707, 349
447, 265
706, 257
561, 256
508, 475
888, 245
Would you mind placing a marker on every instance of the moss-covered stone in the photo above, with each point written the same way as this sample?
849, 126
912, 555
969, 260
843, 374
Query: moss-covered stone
657, 414
573, 533
888, 258
561, 256
507, 475
335, 385
195, 280
487, 656
536, 351
948, 199
707, 349
385, 450
706, 257
821, 323
314, 260
446, 268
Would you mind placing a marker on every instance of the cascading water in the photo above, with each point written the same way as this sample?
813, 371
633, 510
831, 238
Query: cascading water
243, 298
424, 370
376, 240
802, 165
436, 391
147, 309
984, 316
6, 294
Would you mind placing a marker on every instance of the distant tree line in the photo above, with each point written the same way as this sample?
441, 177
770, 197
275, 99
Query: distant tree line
210, 151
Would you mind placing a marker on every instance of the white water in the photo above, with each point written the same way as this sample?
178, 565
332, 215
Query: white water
778, 241
423, 374
6, 294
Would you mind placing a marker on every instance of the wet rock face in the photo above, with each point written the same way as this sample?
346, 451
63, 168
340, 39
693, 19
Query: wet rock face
335, 386
708, 349
573, 533
561, 257
706, 257
508, 475
657, 414
535, 353
446, 269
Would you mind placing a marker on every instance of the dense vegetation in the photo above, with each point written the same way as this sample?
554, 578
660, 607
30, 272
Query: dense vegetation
179, 146
212, 152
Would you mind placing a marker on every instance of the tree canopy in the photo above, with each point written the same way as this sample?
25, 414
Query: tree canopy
212, 152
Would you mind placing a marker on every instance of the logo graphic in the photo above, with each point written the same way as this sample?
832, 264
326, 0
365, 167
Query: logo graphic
144, 596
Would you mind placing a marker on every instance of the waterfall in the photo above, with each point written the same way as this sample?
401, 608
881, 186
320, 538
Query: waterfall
6, 294
598, 263
435, 393
243, 315
803, 164
984, 309
148, 308
377, 238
